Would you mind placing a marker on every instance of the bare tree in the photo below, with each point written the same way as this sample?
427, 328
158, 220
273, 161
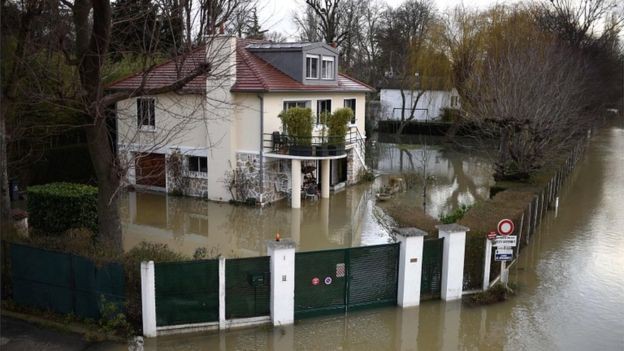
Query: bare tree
329, 17
529, 92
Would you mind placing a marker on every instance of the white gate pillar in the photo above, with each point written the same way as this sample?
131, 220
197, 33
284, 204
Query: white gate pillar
410, 265
148, 298
452, 260
295, 191
282, 281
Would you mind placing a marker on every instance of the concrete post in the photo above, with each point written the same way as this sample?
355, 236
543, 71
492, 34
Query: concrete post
410, 265
282, 281
148, 298
221, 292
295, 191
325, 179
452, 260
487, 260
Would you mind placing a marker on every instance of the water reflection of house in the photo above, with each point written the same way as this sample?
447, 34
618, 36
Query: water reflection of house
229, 119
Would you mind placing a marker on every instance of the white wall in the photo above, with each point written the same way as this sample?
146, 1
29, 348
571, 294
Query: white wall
427, 108
274, 104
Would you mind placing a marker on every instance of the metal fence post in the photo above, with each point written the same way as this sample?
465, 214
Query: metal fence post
452, 260
410, 265
148, 298
282, 281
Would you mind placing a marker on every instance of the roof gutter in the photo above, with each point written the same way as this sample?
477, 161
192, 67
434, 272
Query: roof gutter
261, 148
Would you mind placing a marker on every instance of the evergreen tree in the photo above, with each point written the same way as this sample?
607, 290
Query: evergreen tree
134, 27
254, 30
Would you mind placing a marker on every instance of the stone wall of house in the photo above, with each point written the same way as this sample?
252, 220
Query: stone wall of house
354, 165
273, 177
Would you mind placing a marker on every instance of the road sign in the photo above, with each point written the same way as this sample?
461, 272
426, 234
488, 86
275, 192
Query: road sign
328, 280
505, 227
491, 235
506, 241
503, 254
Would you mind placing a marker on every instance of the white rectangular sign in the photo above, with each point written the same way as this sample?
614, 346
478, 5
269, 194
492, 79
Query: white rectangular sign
505, 241
503, 254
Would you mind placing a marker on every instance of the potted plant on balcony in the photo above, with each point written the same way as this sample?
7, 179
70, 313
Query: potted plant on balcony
337, 125
298, 126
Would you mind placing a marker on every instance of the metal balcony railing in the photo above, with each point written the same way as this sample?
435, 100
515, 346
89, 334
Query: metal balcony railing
316, 146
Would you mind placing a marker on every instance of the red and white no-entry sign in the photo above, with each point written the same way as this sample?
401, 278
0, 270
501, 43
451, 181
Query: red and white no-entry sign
505, 227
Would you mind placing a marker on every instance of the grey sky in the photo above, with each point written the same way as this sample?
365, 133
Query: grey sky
276, 15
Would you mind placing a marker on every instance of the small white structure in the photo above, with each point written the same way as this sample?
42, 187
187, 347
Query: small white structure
428, 107
410, 266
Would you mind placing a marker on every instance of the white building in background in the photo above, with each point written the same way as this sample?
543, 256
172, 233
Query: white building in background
228, 122
428, 108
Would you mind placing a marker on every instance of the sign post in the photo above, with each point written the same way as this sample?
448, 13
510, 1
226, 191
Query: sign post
504, 251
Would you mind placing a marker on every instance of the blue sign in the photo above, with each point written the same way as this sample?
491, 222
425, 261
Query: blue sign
503, 255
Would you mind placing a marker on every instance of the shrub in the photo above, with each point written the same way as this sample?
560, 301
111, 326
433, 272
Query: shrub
450, 115
298, 123
455, 216
57, 207
337, 123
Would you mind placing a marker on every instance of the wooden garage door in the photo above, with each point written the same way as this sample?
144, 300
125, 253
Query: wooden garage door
150, 170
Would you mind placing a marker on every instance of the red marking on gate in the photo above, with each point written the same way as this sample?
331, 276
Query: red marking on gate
315, 281
491, 235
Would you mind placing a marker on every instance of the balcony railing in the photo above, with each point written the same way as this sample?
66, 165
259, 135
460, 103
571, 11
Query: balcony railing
316, 146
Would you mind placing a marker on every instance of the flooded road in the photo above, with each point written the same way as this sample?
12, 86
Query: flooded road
570, 284
348, 218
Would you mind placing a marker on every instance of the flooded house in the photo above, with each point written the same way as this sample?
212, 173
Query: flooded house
219, 136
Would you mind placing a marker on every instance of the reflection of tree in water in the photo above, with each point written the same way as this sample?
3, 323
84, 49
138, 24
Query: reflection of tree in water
413, 162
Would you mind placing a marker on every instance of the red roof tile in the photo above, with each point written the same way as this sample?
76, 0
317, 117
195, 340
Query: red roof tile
253, 74
168, 73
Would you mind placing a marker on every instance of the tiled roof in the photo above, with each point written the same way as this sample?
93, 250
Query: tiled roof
168, 73
253, 74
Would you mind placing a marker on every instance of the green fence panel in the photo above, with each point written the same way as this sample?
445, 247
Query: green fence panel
373, 277
431, 279
41, 279
473, 263
247, 287
64, 283
187, 292
320, 282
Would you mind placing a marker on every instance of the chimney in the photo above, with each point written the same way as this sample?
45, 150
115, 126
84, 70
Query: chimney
333, 44
221, 29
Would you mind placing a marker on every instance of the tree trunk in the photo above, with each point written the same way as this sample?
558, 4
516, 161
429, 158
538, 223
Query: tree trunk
107, 172
5, 201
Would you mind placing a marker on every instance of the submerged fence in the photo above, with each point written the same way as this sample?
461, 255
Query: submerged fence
526, 224
62, 282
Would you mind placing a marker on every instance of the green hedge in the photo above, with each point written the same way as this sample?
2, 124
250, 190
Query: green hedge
53, 208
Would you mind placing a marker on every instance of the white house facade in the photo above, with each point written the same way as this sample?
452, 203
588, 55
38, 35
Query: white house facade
220, 136
428, 108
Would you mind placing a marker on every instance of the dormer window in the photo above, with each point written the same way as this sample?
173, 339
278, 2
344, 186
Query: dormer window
327, 67
312, 67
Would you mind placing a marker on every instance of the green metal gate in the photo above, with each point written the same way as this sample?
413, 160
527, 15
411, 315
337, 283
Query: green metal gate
248, 288
431, 278
187, 292
336, 280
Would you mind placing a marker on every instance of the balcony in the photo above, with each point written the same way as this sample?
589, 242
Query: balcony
317, 147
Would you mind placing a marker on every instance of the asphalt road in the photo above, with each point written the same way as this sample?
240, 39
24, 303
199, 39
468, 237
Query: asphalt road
17, 335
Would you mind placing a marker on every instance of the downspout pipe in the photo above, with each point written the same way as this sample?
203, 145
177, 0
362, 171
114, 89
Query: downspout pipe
261, 97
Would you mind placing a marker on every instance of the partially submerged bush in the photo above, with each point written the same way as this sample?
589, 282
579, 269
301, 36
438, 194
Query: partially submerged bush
57, 207
497, 293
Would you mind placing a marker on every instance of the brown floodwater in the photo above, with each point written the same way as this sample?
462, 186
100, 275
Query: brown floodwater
570, 288
348, 218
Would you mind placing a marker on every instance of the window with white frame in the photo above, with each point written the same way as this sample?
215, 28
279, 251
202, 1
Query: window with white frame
312, 65
146, 114
327, 67
198, 164
290, 104
350, 103
322, 106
